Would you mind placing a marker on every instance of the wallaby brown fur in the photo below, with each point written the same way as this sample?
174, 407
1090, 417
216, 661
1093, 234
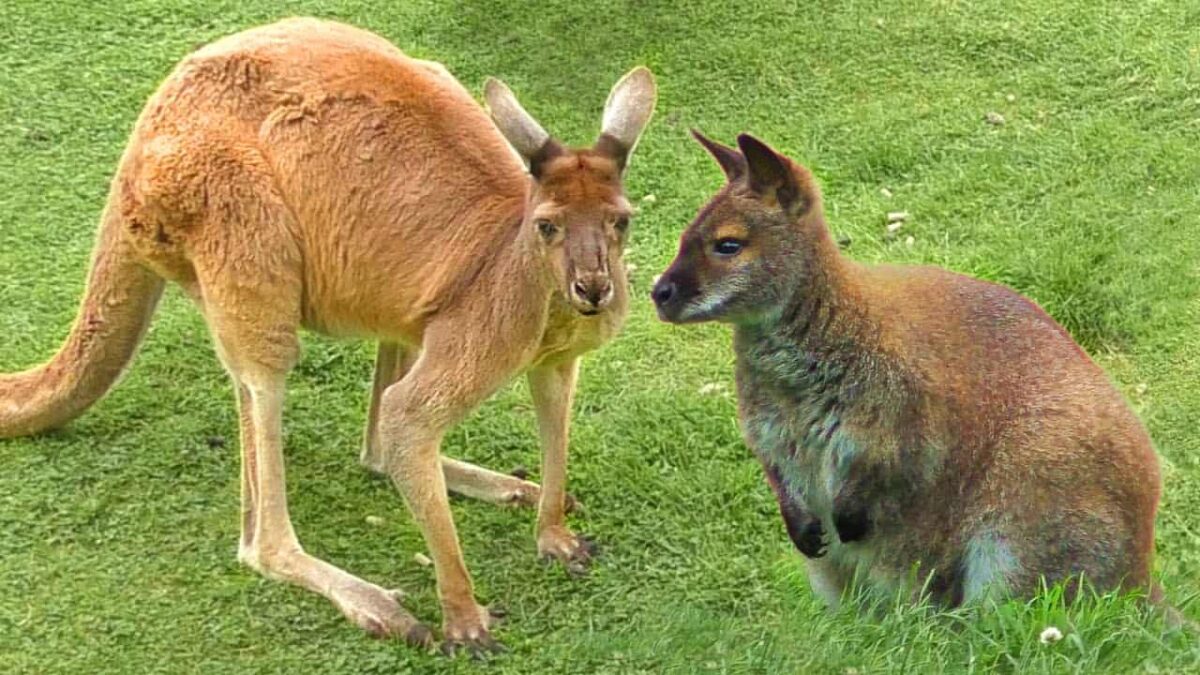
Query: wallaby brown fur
910, 418
308, 173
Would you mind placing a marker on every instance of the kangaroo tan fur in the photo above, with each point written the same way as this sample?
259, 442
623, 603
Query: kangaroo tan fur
308, 173
909, 418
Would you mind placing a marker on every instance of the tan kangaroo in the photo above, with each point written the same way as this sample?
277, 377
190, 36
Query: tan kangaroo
308, 173
910, 418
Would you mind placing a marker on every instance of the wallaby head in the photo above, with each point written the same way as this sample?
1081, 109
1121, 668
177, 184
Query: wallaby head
577, 210
753, 246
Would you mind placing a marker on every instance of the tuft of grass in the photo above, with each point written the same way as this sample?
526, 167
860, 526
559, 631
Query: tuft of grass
117, 533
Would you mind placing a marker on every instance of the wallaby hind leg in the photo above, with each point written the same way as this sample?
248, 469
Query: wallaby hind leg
392, 363
829, 580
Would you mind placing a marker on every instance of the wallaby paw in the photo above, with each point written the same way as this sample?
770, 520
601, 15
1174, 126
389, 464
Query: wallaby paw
852, 525
811, 541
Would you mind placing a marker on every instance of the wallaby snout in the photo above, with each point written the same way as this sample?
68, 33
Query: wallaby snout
668, 297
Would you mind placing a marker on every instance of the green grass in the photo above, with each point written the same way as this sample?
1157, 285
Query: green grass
117, 533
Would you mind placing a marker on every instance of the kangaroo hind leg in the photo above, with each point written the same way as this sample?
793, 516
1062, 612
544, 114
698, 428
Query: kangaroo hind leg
250, 289
392, 363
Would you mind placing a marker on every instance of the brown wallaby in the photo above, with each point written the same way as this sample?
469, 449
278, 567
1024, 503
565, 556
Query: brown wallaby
922, 430
308, 173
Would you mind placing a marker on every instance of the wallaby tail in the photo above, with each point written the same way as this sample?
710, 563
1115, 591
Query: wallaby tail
1171, 615
120, 298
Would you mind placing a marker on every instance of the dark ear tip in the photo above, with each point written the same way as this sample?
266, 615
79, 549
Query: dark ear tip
745, 140
549, 150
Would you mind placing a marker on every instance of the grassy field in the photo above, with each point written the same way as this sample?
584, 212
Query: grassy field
118, 533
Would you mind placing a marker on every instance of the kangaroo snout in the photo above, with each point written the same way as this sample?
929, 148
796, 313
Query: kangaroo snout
592, 292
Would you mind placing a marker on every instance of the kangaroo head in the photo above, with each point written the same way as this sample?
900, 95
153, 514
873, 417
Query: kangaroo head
752, 246
577, 209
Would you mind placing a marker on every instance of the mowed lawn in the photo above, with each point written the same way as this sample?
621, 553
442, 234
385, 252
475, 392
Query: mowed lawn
118, 533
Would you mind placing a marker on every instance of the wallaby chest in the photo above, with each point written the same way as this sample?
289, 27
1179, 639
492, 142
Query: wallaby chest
793, 408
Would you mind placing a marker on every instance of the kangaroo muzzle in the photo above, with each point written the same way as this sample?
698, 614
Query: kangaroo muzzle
591, 292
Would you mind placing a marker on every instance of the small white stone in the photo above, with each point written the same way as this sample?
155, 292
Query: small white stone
374, 520
649, 199
1050, 635
893, 227
994, 118
710, 388
1010, 98
910, 241
422, 559
897, 216
885, 192
1141, 389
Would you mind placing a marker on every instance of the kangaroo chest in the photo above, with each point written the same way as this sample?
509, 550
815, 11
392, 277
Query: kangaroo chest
568, 333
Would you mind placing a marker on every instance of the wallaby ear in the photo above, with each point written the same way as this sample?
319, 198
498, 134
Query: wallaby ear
523, 132
628, 110
770, 175
731, 161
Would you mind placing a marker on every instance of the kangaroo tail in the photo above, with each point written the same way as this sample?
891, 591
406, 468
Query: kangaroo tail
120, 298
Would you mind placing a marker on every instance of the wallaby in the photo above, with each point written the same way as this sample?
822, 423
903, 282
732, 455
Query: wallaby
308, 173
924, 432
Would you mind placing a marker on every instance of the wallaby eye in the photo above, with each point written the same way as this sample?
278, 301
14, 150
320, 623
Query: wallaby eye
622, 224
547, 228
727, 247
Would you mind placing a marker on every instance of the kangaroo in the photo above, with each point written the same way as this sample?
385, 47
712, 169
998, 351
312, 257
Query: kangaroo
923, 431
308, 173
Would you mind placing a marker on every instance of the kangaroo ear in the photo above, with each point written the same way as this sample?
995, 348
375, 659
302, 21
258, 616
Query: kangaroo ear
731, 161
628, 110
523, 132
770, 175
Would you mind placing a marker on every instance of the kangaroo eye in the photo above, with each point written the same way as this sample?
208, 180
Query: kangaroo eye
547, 228
728, 247
622, 224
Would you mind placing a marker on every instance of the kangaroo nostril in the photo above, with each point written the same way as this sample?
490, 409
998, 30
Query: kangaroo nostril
579, 289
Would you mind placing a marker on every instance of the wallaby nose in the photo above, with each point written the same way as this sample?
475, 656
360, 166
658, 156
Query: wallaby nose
663, 291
